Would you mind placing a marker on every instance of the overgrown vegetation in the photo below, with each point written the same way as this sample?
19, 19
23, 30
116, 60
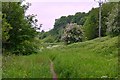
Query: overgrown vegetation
18, 30
91, 59
86, 56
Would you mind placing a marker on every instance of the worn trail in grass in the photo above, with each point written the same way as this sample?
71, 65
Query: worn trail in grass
52, 70
91, 59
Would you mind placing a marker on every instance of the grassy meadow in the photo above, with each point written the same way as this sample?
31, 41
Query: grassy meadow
96, 58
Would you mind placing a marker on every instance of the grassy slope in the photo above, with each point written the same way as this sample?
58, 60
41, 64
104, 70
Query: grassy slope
94, 58
90, 59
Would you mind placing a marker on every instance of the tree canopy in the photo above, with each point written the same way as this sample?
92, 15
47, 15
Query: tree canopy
18, 30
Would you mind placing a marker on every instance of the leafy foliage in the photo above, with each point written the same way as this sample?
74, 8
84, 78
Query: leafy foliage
72, 33
18, 29
5, 29
91, 25
79, 18
113, 27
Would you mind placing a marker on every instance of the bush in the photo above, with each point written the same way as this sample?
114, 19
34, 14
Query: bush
72, 33
26, 47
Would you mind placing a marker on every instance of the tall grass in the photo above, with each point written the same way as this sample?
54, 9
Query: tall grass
33, 66
91, 59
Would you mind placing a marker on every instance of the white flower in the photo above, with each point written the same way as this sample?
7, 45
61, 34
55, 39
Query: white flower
104, 77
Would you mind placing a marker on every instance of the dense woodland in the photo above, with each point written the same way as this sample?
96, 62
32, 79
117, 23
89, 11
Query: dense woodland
19, 32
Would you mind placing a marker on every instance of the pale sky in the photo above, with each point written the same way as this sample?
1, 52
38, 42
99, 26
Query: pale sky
49, 10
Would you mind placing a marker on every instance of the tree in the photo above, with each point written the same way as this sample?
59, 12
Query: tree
23, 27
72, 33
106, 9
79, 18
91, 25
113, 25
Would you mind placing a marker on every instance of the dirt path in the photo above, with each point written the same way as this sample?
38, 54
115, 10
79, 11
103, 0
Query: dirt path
52, 70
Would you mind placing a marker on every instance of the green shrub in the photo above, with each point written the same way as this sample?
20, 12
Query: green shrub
26, 47
72, 33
